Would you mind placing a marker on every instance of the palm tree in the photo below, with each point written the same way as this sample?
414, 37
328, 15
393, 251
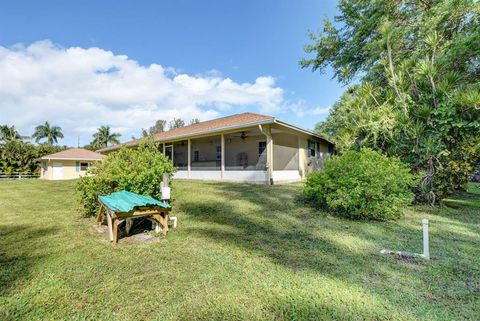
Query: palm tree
9, 133
51, 133
103, 137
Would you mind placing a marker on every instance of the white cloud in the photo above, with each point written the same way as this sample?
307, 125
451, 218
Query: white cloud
80, 89
320, 111
300, 109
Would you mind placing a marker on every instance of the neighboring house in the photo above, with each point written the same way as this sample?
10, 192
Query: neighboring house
68, 164
244, 147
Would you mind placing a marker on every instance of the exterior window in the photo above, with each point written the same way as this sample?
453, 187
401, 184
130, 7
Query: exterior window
196, 155
330, 149
311, 148
169, 151
261, 148
219, 152
83, 166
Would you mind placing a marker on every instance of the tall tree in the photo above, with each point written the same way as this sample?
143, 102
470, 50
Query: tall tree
176, 123
416, 95
104, 136
51, 133
159, 127
9, 133
194, 121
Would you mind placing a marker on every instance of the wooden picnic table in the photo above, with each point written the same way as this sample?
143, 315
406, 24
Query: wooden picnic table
124, 206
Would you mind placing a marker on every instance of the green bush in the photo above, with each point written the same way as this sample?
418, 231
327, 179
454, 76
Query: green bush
362, 185
19, 156
137, 170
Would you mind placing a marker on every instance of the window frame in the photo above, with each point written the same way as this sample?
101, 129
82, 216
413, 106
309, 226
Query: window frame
84, 167
312, 148
262, 146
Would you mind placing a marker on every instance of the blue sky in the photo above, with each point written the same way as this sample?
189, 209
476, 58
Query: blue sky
236, 40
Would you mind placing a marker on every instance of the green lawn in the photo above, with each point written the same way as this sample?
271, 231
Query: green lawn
240, 252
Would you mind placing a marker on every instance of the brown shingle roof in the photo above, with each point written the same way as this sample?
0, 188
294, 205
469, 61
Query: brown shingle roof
75, 154
219, 123
204, 126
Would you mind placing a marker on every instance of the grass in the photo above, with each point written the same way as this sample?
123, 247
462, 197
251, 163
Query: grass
240, 252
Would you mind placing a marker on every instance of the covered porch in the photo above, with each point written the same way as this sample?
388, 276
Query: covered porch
263, 155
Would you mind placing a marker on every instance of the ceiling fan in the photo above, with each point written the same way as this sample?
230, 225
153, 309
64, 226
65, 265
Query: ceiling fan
241, 135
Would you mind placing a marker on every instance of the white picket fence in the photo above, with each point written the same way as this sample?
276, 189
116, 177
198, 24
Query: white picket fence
18, 175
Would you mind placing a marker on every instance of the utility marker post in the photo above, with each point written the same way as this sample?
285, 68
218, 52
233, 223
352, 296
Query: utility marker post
426, 248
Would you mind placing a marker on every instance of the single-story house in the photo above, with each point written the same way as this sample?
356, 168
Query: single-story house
68, 164
243, 147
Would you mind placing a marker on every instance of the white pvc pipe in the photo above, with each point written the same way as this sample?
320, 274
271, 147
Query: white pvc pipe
426, 249
174, 219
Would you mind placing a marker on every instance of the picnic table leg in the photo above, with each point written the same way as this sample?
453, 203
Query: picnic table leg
128, 224
164, 216
110, 229
99, 217
162, 220
115, 230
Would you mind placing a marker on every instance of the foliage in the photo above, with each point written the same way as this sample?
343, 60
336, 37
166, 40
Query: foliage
51, 133
90, 147
362, 185
137, 170
9, 133
23, 157
159, 127
103, 137
417, 95
176, 123
194, 121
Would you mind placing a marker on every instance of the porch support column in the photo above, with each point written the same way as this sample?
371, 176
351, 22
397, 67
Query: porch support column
300, 158
164, 149
266, 130
222, 162
189, 157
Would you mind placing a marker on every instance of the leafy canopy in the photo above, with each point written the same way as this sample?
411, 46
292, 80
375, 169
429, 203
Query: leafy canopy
362, 185
103, 137
139, 170
176, 123
51, 133
415, 67
23, 157
159, 127
9, 133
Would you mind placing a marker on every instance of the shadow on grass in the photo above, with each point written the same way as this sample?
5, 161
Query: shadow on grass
16, 267
277, 228
298, 248
462, 209
273, 222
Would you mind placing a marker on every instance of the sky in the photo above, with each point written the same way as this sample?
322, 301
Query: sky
83, 64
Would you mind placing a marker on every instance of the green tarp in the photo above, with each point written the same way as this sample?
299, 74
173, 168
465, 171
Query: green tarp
124, 201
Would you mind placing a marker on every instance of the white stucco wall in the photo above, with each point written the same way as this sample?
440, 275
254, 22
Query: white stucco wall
68, 169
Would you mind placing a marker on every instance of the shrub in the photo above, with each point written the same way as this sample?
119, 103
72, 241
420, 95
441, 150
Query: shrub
19, 156
362, 185
137, 170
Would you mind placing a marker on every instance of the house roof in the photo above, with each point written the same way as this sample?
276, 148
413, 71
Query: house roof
211, 126
75, 154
